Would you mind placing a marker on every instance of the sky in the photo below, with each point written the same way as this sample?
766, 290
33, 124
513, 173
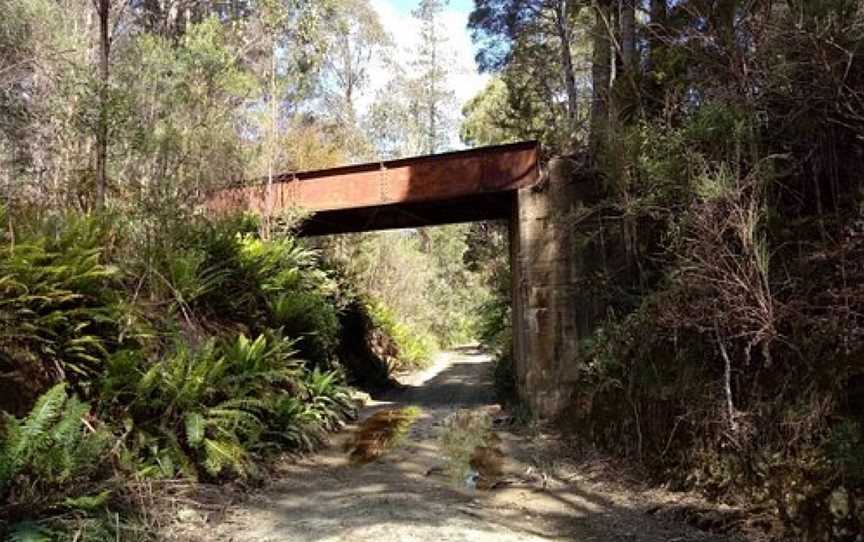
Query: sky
405, 6
396, 18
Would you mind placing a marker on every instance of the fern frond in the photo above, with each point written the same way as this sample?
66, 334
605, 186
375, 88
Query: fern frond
29, 531
34, 430
195, 426
219, 454
88, 502
233, 423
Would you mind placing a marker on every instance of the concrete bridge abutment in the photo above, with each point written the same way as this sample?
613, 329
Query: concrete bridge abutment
550, 313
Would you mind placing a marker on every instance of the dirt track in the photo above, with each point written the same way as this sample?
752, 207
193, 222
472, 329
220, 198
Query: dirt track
322, 498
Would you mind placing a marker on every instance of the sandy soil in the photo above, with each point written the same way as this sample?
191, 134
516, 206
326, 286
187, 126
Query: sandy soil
323, 498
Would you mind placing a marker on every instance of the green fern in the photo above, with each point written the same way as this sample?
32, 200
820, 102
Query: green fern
208, 406
88, 502
295, 424
29, 531
49, 458
27, 439
54, 304
328, 398
311, 317
195, 427
219, 454
190, 278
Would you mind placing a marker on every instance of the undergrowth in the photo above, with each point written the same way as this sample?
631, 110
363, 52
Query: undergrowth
197, 353
416, 347
727, 357
381, 432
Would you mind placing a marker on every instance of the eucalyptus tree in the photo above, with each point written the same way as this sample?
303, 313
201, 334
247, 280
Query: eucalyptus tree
355, 40
171, 18
544, 33
391, 123
354, 37
414, 112
432, 99
52, 94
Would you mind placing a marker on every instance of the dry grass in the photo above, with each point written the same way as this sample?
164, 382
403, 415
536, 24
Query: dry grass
380, 432
472, 447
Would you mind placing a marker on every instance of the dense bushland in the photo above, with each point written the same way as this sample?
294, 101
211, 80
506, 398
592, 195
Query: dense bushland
165, 343
125, 357
734, 335
723, 143
425, 287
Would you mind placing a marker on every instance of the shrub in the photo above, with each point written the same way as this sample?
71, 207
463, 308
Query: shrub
494, 330
57, 310
327, 398
204, 407
312, 318
160, 344
50, 459
208, 408
416, 348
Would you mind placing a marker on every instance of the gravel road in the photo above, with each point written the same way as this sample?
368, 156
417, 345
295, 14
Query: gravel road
323, 498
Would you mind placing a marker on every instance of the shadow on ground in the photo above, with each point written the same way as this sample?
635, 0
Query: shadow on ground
461, 385
323, 498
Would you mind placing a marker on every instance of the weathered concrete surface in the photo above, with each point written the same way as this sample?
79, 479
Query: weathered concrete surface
550, 314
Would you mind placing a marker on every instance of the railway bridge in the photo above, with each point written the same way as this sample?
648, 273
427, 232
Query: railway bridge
504, 182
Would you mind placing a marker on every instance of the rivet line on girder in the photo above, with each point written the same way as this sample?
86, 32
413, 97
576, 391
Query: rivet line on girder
295, 189
382, 182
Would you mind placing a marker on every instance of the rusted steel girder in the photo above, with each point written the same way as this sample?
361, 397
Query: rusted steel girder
351, 198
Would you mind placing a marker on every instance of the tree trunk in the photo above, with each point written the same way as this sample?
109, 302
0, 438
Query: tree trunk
626, 99
658, 23
563, 28
271, 147
103, 8
433, 102
725, 22
628, 35
350, 114
601, 77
